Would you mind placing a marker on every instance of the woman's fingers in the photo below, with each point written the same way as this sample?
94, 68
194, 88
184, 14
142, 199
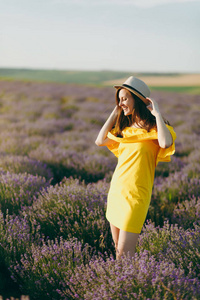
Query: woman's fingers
150, 108
149, 99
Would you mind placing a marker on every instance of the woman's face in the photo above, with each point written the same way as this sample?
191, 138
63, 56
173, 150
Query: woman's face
126, 101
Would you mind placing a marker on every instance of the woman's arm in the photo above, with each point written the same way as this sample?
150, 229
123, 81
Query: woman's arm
102, 139
164, 136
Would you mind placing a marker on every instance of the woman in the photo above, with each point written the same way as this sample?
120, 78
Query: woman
137, 134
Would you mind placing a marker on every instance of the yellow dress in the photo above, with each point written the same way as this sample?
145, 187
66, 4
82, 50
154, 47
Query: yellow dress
130, 190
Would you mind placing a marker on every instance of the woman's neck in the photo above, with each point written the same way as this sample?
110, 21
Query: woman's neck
135, 125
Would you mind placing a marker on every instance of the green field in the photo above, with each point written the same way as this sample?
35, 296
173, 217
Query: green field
195, 90
97, 78
78, 77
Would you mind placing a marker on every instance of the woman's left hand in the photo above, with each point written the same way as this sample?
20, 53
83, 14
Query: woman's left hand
153, 107
165, 139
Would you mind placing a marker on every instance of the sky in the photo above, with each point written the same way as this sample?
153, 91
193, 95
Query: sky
120, 35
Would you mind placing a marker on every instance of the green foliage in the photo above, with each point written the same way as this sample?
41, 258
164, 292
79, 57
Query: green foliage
178, 89
79, 77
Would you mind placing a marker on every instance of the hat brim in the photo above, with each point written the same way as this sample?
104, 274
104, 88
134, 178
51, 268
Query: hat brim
146, 101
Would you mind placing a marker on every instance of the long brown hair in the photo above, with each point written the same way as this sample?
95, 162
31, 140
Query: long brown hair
140, 112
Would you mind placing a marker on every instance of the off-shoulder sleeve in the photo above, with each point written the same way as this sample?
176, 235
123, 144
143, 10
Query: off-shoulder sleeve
165, 153
113, 147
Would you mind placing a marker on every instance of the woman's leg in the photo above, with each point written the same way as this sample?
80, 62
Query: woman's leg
126, 243
115, 235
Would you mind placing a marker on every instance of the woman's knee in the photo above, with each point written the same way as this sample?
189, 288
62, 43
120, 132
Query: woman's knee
128, 238
127, 243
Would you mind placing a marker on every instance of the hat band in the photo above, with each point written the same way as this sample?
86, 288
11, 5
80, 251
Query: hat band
130, 87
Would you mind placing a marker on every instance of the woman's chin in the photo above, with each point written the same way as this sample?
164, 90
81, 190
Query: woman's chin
126, 113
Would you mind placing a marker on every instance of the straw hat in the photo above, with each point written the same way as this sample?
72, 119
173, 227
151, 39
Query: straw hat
137, 87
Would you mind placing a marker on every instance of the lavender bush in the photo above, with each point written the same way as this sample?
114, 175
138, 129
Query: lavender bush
73, 209
16, 237
165, 266
139, 278
22, 164
164, 169
66, 163
168, 192
48, 130
19, 190
41, 270
174, 244
192, 165
187, 213
16, 144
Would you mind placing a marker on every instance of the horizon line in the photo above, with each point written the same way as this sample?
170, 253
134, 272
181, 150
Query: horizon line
98, 70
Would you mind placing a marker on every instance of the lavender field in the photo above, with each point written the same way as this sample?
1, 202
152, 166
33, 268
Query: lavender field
55, 242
